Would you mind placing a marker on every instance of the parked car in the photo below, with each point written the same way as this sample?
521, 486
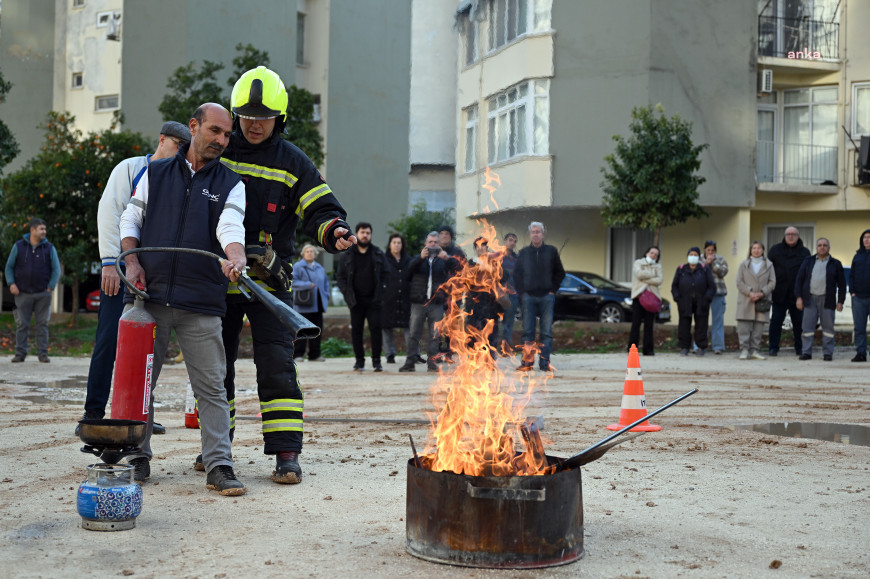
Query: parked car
92, 302
588, 296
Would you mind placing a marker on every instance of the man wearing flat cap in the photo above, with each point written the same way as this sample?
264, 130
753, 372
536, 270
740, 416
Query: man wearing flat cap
119, 188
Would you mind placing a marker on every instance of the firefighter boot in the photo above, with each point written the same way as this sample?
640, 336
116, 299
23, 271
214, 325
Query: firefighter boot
287, 469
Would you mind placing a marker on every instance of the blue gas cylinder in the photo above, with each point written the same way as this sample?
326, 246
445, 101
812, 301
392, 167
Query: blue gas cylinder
109, 500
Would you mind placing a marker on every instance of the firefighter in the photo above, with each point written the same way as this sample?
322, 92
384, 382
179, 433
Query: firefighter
282, 186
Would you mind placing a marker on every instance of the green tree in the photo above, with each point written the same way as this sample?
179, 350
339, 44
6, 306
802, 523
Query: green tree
301, 130
190, 86
650, 181
8, 145
63, 184
249, 57
417, 224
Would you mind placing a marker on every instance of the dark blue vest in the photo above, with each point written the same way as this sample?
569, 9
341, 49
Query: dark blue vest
33, 266
183, 211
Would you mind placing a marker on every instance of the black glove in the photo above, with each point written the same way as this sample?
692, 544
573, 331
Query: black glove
267, 266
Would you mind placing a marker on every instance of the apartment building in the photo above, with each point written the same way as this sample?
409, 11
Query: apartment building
543, 85
96, 57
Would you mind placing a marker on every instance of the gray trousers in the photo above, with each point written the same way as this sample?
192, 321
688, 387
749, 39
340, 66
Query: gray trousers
749, 334
389, 335
199, 336
814, 311
423, 315
38, 306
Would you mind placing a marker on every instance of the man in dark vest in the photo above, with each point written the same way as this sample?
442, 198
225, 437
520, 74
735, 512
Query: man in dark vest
32, 271
191, 201
787, 258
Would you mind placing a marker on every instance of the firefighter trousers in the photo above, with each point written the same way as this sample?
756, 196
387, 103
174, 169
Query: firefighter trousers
281, 400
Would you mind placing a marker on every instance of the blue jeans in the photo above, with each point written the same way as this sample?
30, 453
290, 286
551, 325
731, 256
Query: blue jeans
510, 315
860, 311
717, 328
103, 357
542, 307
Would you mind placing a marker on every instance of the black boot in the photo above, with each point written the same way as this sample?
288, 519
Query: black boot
287, 469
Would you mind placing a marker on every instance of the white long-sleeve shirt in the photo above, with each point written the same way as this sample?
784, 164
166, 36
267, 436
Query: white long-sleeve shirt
116, 196
230, 227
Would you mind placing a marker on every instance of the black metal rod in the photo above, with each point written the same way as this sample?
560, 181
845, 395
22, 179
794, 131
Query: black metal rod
414, 449
575, 460
301, 328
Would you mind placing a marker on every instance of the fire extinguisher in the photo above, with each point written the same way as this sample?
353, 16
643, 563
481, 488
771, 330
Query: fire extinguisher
131, 393
191, 412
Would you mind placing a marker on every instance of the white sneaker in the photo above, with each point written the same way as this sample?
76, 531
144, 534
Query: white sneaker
757, 356
744, 355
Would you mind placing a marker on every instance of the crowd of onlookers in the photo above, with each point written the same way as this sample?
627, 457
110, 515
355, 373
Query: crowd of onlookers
785, 280
409, 289
403, 289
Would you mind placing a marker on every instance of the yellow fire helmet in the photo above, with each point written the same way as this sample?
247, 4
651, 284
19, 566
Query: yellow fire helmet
259, 94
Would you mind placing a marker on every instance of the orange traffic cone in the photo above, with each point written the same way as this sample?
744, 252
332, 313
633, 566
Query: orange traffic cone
633, 401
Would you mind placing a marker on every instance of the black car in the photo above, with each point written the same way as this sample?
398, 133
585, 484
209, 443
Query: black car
588, 296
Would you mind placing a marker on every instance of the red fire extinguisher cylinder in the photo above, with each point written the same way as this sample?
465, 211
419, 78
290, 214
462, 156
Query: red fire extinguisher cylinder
131, 390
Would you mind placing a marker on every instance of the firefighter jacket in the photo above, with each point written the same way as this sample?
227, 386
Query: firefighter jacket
282, 187
183, 210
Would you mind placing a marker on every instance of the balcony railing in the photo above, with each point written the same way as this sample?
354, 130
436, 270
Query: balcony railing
798, 38
795, 163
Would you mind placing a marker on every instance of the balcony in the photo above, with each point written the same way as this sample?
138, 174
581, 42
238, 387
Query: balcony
795, 164
798, 39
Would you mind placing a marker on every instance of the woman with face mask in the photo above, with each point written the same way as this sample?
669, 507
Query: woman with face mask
755, 280
693, 289
646, 274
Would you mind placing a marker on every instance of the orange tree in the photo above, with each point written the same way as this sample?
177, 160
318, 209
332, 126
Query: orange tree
63, 184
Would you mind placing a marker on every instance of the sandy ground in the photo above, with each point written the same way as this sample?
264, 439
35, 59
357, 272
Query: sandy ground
694, 500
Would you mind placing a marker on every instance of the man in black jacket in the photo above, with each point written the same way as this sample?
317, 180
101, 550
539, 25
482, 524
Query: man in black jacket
820, 289
786, 257
359, 278
537, 277
859, 288
428, 271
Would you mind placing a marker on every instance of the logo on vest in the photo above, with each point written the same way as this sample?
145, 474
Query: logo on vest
211, 197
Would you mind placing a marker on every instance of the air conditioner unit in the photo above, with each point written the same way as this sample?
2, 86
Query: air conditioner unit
864, 162
765, 81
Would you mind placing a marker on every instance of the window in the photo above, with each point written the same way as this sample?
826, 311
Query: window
469, 36
519, 121
809, 135
765, 139
510, 19
103, 19
300, 38
77, 81
470, 138
626, 245
78, 3
860, 109
107, 103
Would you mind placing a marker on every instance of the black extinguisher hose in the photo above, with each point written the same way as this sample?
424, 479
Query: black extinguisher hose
300, 328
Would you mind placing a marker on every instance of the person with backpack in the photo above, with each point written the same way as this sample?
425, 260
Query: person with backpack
119, 188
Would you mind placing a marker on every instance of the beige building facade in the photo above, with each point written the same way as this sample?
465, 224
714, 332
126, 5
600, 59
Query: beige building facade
544, 84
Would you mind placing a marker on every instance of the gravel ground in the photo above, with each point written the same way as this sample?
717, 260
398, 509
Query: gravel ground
697, 499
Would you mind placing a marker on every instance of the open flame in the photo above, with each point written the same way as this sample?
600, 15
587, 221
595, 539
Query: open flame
481, 409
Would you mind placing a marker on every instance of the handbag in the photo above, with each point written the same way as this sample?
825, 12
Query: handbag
303, 297
650, 302
763, 305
